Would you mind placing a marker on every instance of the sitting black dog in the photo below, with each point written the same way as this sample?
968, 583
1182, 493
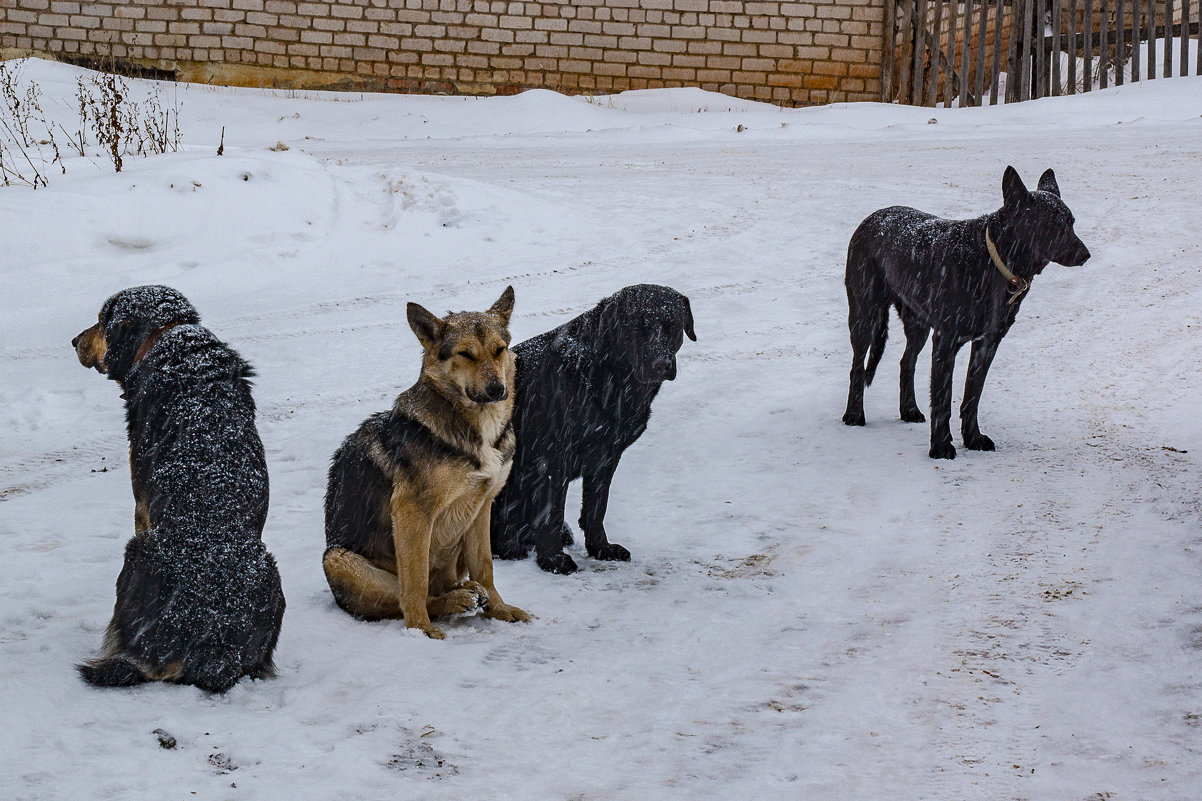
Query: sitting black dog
966, 279
198, 598
584, 393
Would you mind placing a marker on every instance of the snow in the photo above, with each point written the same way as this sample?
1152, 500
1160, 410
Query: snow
811, 611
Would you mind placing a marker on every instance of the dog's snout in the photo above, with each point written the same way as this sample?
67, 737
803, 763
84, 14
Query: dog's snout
1077, 256
496, 391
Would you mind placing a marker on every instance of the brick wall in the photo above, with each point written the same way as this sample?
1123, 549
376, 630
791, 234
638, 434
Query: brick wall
793, 53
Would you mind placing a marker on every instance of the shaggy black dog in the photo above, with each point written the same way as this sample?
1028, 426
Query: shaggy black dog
198, 598
584, 393
966, 279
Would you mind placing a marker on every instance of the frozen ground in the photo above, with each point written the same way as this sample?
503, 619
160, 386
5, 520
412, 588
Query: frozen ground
812, 611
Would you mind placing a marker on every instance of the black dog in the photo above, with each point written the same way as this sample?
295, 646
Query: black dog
198, 598
963, 278
584, 393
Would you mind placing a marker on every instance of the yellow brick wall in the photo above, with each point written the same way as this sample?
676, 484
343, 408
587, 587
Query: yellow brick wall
785, 52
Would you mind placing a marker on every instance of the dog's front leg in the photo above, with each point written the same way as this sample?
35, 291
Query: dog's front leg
592, 513
411, 534
983, 351
477, 549
943, 361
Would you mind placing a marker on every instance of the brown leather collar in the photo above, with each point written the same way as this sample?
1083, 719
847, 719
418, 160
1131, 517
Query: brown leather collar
148, 343
1017, 285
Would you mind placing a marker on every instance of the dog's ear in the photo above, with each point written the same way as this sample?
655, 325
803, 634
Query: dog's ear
609, 319
1014, 191
503, 307
1047, 182
429, 329
688, 319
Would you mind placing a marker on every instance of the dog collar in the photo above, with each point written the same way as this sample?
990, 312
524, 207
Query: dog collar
1017, 285
148, 343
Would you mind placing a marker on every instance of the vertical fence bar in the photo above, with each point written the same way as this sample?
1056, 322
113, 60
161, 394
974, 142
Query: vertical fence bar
1104, 46
997, 52
1183, 38
1038, 51
1087, 70
936, 49
919, 18
1120, 39
1151, 39
1198, 42
982, 52
1057, 21
965, 38
1028, 16
1013, 57
889, 49
1072, 47
1136, 38
1168, 38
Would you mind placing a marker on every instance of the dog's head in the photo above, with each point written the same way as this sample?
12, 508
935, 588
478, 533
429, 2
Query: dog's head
127, 322
466, 354
645, 325
1041, 221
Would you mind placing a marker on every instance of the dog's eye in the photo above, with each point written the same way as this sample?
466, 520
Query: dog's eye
467, 355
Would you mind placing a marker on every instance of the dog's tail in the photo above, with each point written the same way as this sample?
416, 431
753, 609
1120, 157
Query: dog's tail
111, 671
880, 334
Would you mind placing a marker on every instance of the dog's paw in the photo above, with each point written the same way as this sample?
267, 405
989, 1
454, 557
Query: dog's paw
853, 419
979, 443
481, 594
913, 416
460, 600
509, 613
943, 450
610, 552
431, 631
557, 563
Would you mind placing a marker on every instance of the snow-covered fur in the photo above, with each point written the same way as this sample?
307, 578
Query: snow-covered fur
940, 275
584, 393
199, 598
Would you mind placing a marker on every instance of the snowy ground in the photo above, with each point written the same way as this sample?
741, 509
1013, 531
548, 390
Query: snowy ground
812, 611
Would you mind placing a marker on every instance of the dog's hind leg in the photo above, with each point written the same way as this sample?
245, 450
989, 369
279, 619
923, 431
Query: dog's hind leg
868, 324
868, 327
361, 588
916, 338
547, 501
943, 361
983, 351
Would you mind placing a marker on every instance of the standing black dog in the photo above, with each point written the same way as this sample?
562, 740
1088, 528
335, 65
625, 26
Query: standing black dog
198, 598
963, 278
584, 393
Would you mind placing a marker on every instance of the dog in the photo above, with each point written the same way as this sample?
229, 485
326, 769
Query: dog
584, 393
965, 279
199, 599
409, 493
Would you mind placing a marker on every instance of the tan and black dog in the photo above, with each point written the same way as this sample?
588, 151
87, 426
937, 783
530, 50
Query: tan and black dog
198, 598
410, 492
